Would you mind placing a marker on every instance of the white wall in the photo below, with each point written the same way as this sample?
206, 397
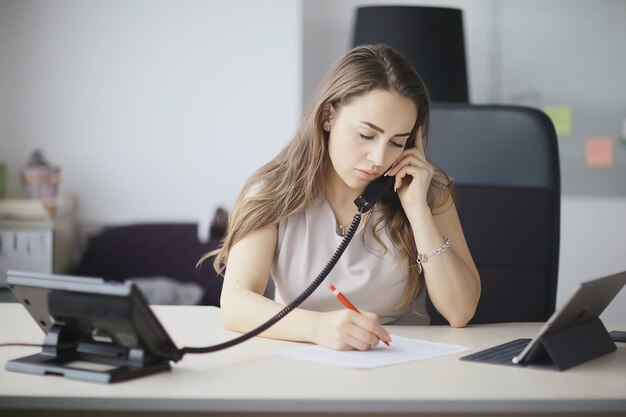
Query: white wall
593, 244
569, 52
4, 68
154, 109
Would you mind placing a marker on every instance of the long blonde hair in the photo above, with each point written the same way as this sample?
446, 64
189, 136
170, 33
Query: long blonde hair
294, 178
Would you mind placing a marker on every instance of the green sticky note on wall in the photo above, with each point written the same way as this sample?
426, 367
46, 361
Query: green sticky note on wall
561, 117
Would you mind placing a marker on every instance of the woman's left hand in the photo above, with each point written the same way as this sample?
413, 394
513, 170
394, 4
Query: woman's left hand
413, 175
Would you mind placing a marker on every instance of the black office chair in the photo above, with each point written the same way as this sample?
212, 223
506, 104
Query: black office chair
505, 165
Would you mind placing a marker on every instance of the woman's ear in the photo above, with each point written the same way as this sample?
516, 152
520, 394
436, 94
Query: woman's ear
328, 114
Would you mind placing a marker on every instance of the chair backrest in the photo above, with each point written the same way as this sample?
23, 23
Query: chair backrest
505, 165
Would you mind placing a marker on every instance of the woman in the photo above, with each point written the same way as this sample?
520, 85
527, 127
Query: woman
366, 121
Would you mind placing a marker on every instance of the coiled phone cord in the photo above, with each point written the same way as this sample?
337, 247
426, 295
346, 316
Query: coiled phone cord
295, 303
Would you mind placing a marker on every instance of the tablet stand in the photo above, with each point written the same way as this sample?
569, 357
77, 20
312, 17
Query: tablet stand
572, 346
68, 352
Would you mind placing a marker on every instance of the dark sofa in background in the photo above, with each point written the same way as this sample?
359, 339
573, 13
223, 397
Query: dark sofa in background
169, 250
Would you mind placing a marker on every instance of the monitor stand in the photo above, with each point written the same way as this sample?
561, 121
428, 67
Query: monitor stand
72, 355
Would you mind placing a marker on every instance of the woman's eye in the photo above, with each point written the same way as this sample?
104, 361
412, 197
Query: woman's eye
365, 136
397, 145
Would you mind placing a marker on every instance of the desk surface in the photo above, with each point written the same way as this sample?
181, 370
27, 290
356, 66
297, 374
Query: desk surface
249, 378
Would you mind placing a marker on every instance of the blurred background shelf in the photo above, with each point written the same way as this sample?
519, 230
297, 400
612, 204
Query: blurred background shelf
37, 235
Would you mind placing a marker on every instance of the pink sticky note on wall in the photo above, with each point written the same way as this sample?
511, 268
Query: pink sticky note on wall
599, 152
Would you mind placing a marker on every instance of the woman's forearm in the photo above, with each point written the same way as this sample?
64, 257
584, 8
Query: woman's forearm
244, 310
453, 286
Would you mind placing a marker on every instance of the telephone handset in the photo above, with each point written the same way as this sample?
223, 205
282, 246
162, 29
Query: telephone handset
377, 189
373, 193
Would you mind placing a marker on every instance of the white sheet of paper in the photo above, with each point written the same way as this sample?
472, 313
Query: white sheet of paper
401, 350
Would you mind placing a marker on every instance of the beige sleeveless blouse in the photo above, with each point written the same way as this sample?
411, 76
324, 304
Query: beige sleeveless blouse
370, 278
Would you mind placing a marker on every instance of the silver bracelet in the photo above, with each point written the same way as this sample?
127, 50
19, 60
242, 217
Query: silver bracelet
423, 257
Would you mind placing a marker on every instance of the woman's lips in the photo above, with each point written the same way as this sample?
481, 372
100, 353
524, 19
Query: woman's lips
367, 175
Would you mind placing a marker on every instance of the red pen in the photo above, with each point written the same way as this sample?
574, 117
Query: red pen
343, 300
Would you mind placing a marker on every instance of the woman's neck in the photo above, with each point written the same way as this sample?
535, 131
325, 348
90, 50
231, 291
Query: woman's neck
340, 197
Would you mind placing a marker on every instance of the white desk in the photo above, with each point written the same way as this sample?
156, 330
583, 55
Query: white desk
249, 378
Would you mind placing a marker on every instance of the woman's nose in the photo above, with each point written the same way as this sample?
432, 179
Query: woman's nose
376, 154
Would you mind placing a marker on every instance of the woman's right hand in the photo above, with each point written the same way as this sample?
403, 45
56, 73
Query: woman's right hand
349, 330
